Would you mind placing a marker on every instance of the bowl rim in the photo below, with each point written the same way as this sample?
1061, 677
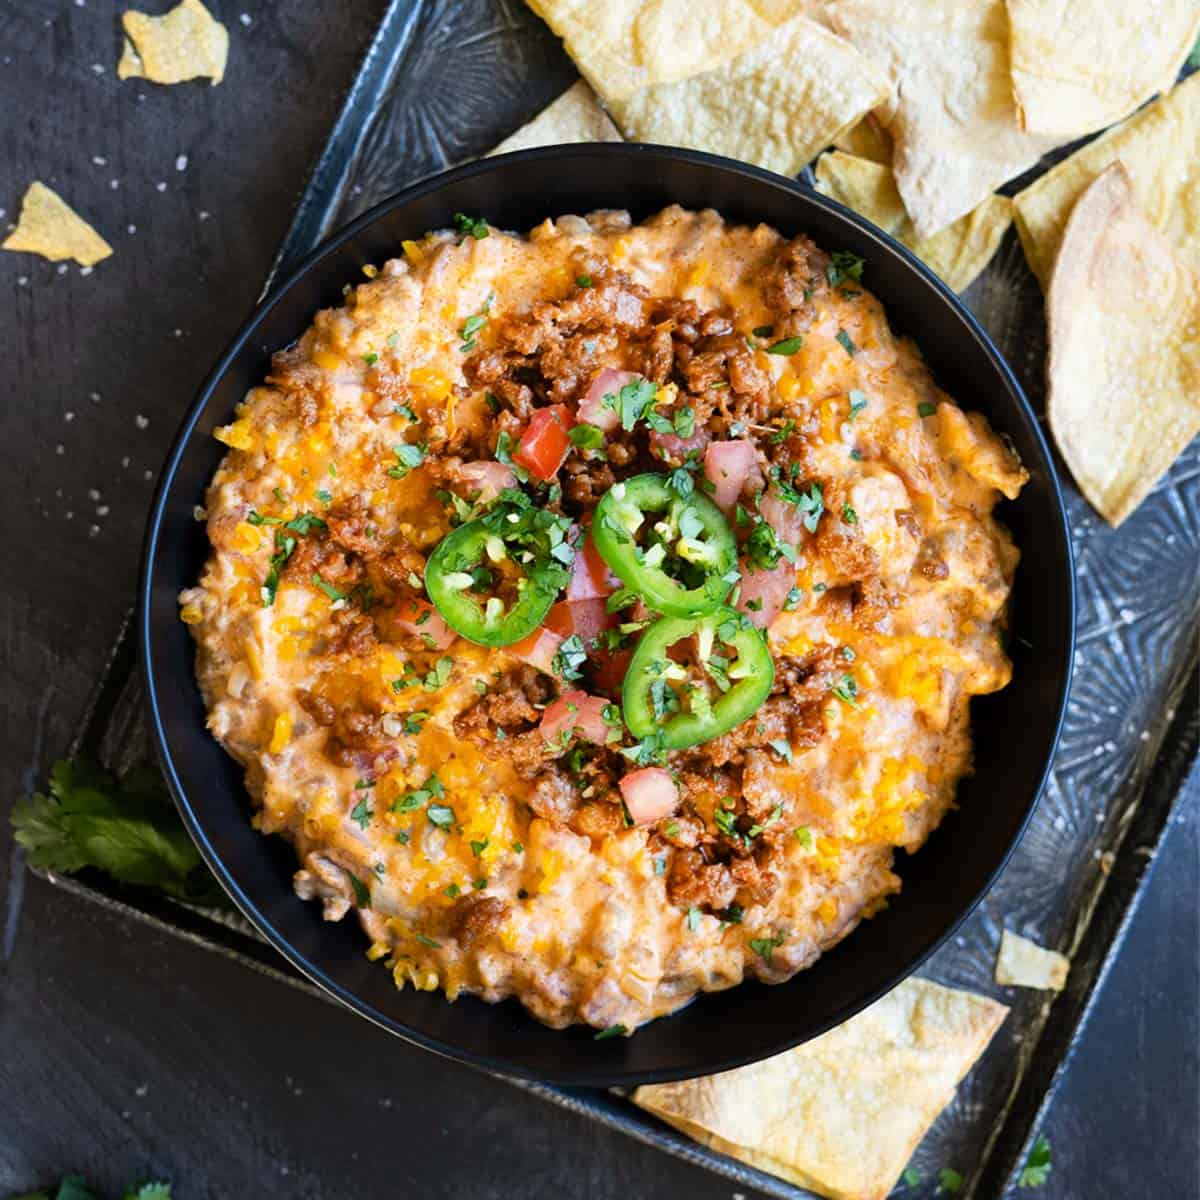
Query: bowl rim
144, 628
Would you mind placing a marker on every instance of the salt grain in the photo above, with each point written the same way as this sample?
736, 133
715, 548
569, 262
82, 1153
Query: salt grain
246, 20
114, 184
147, 475
94, 397
97, 68
68, 415
102, 510
131, 229
93, 530
125, 461
22, 280
140, 421
161, 186
93, 493
181, 162
60, 449
99, 160
86, 270
203, 215
62, 268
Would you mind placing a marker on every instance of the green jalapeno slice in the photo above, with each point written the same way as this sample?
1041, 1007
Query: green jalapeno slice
678, 553
695, 679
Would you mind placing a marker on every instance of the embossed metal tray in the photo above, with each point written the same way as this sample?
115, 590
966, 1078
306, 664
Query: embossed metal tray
445, 80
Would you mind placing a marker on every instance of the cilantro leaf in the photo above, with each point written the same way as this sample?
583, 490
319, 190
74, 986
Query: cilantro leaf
844, 265
1037, 1166
475, 227
126, 827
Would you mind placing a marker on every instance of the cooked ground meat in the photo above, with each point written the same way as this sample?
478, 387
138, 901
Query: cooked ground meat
477, 917
695, 883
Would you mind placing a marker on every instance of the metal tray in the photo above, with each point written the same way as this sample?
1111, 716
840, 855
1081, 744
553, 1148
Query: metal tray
443, 81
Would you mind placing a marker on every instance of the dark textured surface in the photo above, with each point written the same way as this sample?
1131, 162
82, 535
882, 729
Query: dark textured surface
126, 1053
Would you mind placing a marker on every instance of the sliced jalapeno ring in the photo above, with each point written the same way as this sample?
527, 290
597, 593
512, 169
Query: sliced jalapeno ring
450, 576
733, 677
689, 560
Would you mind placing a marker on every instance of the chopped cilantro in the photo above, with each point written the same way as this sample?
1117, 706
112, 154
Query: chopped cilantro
671, 829
765, 947
949, 1181
440, 674
427, 941
452, 890
362, 813
1037, 1166
781, 435
804, 836
693, 919
333, 593
782, 747
911, 1177
586, 437
849, 515
408, 455
786, 346
477, 848
660, 866
305, 523
518, 848
370, 359
256, 518
583, 281
681, 483
611, 1032
842, 266
858, 401
632, 401
441, 815
475, 227
414, 721
925, 409
846, 690
324, 497
846, 343
763, 331
362, 894
479, 884
569, 658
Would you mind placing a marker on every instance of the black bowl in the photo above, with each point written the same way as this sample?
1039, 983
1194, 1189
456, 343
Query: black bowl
1015, 730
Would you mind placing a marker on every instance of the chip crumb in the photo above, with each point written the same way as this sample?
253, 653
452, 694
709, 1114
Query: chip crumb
1022, 963
185, 43
50, 227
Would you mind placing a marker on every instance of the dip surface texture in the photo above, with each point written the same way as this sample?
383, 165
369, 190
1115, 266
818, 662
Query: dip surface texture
484, 810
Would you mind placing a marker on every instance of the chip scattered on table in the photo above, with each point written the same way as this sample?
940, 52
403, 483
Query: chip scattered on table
958, 253
186, 43
842, 1114
1081, 65
776, 105
1159, 149
1124, 365
954, 122
867, 139
49, 226
1022, 963
576, 116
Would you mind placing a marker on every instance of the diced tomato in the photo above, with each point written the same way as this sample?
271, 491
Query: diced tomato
538, 649
418, 617
587, 618
608, 670
545, 443
726, 465
607, 382
591, 576
763, 592
673, 449
650, 794
484, 480
576, 713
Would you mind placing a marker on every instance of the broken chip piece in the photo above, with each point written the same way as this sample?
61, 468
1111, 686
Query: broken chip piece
954, 122
49, 226
1081, 65
958, 253
1022, 963
576, 116
186, 43
1124, 364
775, 105
841, 1114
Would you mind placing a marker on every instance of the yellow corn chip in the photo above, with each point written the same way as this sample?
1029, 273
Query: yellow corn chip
1022, 963
868, 139
1159, 147
52, 228
776, 105
843, 1113
957, 254
954, 123
1080, 65
186, 43
620, 46
1124, 364
576, 116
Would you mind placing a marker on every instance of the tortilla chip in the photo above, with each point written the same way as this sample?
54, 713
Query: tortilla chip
1080, 65
955, 123
49, 226
1158, 148
957, 254
843, 1113
868, 139
621, 46
776, 105
576, 116
1124, 365
1022, 963
186, 43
